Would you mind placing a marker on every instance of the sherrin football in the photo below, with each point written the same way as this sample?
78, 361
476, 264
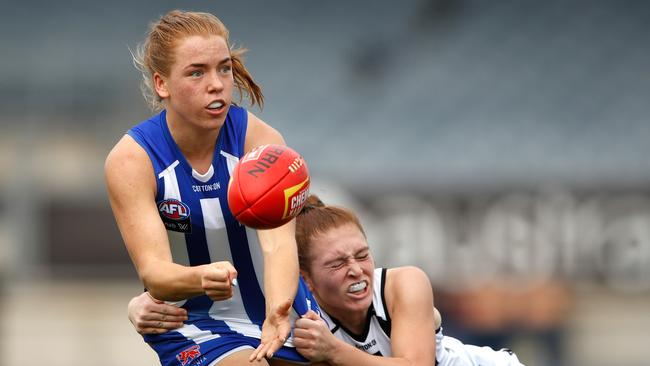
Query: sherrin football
268, 187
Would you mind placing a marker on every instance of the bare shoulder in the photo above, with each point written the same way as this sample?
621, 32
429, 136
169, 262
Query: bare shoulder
126, 150
126, 164
260, 133
406, 273
406, 285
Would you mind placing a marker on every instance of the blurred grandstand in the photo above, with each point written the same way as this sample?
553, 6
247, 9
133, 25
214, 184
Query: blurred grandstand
498, 145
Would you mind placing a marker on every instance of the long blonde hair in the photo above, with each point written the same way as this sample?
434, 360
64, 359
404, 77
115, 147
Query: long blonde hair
155, 54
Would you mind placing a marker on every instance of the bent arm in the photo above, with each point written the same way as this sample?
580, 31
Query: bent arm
409, 299
131, 189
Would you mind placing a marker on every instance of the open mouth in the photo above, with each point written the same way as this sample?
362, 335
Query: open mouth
216, 105
357, 287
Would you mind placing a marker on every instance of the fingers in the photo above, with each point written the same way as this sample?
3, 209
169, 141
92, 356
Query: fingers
218, 294
300, 333
232, 272
227, 270
273, 347
218, 279
163, 317
216, 276
169, 311
258, 353
302, 323
155, 323
311, 315
265, 350
160, 325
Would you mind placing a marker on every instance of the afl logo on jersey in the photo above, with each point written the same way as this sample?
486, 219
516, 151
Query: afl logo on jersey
174, 209
175, 215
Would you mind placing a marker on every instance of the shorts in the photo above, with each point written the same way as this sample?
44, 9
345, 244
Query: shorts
452, 352
208, 348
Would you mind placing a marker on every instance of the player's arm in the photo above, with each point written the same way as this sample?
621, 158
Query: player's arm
131, 189
280, 258
409, 298
410, 304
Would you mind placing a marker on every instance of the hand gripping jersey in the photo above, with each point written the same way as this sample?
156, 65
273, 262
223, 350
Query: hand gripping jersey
201, 229
375, 338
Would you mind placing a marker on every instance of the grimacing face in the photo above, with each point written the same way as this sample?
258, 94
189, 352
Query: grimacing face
199, 87
341, 274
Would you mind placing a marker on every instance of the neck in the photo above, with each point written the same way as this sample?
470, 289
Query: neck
353, 321
196, 144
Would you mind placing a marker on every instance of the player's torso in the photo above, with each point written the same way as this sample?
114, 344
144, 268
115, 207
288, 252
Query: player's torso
200, 227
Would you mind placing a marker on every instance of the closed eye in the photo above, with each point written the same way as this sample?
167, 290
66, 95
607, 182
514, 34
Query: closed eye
363, 255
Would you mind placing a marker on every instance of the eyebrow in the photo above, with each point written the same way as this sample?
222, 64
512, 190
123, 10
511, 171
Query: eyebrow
199, 65
366, 249
337, 259
345, 257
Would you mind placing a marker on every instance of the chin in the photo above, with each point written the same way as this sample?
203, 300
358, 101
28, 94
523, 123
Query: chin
360, 304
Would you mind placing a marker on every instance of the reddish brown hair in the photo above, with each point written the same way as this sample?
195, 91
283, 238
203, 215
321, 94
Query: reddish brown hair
317, 218
156, 53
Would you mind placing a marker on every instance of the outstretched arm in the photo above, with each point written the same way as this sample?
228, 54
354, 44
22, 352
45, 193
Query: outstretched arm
280, 260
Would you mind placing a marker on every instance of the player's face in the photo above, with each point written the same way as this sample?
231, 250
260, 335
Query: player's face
200, 85
341, 274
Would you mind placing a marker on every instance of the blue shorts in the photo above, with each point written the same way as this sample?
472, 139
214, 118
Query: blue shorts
185, 352
204, 340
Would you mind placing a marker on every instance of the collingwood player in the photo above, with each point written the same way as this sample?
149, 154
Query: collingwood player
370, 316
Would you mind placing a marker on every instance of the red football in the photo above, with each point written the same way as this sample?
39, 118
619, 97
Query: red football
268, 187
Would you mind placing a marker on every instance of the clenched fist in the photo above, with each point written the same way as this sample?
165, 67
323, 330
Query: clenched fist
217, 280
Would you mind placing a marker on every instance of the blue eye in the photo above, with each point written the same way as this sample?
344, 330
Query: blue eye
196, 73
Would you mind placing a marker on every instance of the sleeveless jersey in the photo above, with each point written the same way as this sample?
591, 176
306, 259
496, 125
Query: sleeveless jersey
201, 230
375, 338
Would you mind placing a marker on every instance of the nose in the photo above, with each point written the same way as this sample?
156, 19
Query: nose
214, 82
354, 269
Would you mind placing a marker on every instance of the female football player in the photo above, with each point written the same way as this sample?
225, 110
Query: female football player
370, 316
167, 181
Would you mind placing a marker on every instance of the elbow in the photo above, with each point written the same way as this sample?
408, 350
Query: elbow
157, 291
152, 283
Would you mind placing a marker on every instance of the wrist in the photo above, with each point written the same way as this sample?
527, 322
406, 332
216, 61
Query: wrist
337, 352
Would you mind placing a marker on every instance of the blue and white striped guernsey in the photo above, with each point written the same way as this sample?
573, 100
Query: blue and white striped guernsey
201, 230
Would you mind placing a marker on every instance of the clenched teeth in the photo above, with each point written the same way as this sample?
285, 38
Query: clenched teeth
357, 287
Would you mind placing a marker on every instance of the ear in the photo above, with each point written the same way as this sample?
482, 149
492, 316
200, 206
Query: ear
160, 85
308, 280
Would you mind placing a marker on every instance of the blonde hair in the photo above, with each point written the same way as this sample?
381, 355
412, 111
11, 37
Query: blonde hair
156, 53
317, 218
